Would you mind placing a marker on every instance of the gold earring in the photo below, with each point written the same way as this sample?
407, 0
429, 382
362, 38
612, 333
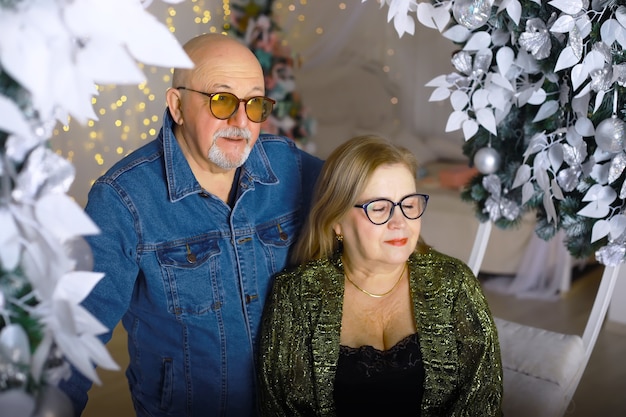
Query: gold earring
339, 238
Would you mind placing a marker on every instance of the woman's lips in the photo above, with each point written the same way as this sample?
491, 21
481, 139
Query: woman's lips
398, 242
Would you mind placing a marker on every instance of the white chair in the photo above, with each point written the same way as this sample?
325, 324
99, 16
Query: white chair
543, 368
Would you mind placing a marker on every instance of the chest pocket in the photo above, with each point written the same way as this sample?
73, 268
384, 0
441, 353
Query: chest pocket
189, 276
276, 238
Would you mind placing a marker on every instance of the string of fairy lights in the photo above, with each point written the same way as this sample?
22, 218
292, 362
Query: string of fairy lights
131, 115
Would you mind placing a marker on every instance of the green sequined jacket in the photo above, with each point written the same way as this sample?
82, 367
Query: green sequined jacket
299, 345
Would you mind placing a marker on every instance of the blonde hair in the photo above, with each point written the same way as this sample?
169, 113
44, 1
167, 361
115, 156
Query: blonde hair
341, 181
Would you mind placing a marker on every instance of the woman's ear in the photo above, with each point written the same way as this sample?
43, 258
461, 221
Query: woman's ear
337, 229
172, 96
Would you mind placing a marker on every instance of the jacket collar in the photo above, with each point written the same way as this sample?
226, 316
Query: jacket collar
180, 179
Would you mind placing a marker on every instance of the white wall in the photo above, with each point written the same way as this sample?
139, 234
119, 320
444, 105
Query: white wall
335, 86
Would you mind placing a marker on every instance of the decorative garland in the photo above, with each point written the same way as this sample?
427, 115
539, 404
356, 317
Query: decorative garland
538, 93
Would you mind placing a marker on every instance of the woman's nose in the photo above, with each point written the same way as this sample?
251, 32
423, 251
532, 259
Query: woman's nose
397, 218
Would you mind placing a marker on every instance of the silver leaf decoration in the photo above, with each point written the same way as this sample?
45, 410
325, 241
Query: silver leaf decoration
611, 254
568, 178
618, 163
496, 206
601, 79
536, 39
574, 155
575, 41
493, 185
462, 61
492, 207
510, 210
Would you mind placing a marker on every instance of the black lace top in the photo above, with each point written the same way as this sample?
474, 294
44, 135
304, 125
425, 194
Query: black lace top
374, 382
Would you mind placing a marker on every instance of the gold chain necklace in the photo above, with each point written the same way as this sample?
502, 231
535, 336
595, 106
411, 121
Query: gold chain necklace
371, 294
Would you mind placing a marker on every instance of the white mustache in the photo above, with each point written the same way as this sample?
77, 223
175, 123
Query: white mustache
233, 132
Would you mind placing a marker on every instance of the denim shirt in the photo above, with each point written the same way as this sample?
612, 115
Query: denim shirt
188, 275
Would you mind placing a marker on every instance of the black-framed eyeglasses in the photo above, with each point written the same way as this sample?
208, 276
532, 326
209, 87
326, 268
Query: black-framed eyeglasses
380, 211
223, 105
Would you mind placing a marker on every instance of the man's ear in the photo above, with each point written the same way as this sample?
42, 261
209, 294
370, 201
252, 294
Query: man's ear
172, 96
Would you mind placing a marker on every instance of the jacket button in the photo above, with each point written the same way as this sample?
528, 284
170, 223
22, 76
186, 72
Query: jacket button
250, 298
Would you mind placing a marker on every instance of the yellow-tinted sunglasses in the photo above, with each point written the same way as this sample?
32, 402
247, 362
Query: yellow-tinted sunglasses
224, 105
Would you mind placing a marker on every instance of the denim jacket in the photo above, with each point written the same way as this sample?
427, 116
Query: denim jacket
188, 275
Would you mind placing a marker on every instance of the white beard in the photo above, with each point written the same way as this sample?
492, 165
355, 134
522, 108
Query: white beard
222, 160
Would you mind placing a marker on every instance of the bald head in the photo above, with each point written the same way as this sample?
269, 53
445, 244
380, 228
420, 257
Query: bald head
213, 50
221, 65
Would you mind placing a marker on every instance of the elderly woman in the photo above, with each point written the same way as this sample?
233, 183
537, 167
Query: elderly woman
373, 321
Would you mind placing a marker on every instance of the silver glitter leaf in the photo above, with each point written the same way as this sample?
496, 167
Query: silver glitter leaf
576, 42
601, 79
568, 178
536, 39
618, 163
611, 254
492, 207
462, 61
492, 184
574, 155
509, 209
495, 206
